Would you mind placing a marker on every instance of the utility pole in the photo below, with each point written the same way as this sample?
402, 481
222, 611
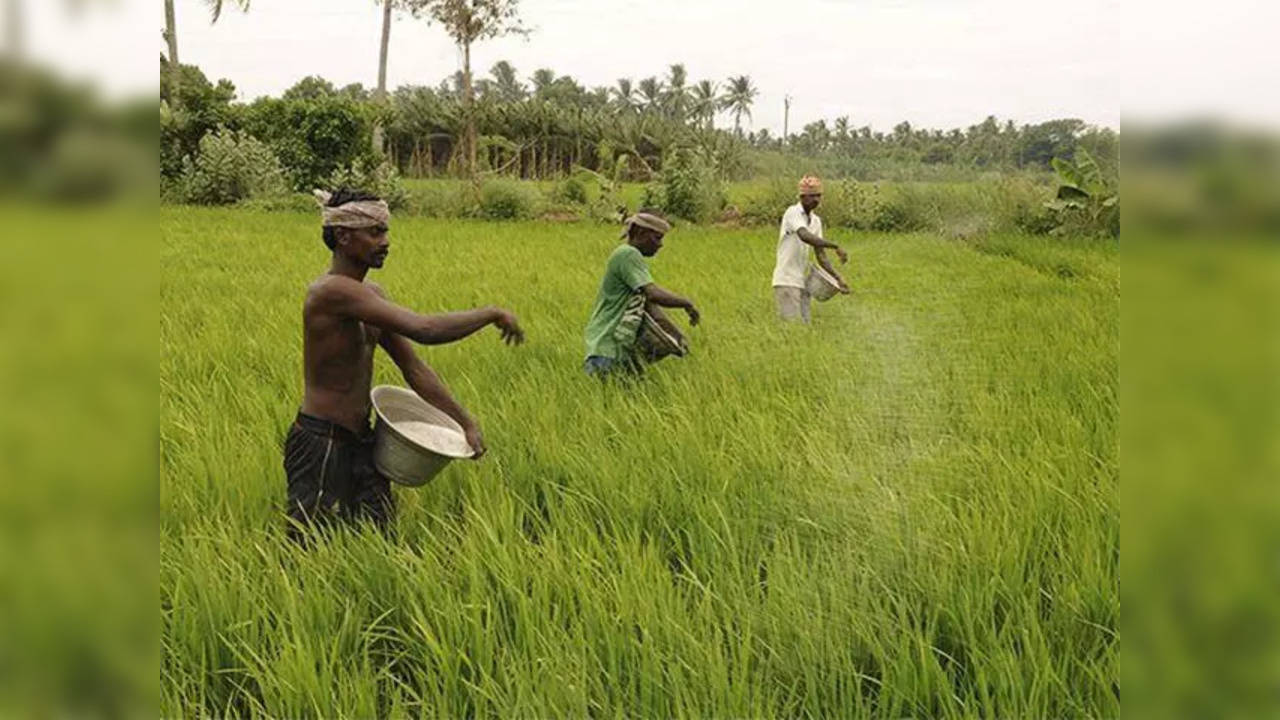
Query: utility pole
786, 117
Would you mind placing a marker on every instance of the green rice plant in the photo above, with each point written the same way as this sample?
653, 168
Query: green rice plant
907, 508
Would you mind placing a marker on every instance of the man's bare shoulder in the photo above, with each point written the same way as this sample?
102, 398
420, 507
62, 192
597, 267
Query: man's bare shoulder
377, 289
329, 291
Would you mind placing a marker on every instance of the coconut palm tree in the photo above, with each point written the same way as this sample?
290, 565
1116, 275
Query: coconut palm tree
542, 80
171, 36
381, 92
841, 130
704, 102
468, 22
215, 7
740, 94
675, 99
506, 84
624, 95
651, 93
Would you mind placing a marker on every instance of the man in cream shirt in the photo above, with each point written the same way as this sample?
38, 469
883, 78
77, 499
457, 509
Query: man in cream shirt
801, 229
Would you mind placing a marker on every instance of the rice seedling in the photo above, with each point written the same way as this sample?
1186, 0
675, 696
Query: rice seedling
908, 508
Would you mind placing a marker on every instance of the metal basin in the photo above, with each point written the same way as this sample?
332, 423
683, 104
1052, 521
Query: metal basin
820, 284
656, 343
401, 450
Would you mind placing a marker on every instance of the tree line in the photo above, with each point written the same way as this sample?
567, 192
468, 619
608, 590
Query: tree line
547, 124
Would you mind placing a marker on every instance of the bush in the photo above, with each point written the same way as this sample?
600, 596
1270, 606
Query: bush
1033, 219
764, 204
314, 138
897, 213
200, 108
441, 199
508, 200
958, 209
848, 204
571, 190
688, 187
230, 167
371, 175
845, 203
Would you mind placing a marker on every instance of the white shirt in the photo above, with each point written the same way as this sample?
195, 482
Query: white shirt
793, 253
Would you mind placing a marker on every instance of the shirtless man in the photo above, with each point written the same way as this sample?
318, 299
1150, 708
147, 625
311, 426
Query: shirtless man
328, 455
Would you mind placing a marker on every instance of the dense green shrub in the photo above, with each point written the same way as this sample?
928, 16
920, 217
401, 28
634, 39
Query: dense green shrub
1033, 219
313, 138
688, 187
377, 177
764, 203
571, 190
508, 200
229, 167
199, 108
848, 203
902, 210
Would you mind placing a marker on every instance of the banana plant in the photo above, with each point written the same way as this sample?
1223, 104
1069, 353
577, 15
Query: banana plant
1082, 190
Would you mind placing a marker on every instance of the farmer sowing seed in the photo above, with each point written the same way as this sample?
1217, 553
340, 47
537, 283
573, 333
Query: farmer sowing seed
801, 229
626, 293
328, 456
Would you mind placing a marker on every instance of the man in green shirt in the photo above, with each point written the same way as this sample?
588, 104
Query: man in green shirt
625, 292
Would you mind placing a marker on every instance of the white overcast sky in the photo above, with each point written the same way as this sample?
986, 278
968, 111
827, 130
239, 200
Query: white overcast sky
936, 63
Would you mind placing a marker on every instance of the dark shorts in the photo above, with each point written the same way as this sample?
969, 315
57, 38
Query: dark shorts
331, 476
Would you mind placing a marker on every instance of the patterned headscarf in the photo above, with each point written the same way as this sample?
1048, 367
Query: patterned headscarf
354, 214
810, 185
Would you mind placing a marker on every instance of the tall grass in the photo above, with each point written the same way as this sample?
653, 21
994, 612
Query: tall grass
966, 209
907, 509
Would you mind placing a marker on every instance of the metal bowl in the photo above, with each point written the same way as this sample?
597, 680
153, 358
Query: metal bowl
396, 455
820, 284
657, 343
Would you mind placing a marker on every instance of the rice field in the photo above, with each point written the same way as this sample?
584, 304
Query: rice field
909, 508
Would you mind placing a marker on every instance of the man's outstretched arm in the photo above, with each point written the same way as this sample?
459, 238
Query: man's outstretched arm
349, 297
661, 296
820, 244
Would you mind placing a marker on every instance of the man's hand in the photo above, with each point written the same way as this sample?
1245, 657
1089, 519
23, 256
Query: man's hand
509, 327
844, 256
475, 439
694, 315
844, 287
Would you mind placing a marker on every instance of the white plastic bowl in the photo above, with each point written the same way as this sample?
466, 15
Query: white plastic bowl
404, 456
820, 284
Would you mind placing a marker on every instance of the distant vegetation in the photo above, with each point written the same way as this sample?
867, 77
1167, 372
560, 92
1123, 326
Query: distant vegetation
659, 131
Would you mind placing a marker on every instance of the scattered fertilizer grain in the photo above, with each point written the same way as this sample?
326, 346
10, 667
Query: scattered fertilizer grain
435, 437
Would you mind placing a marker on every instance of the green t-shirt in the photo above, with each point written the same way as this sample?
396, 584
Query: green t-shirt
615, 319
